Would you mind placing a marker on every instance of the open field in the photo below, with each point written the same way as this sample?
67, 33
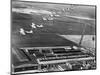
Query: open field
48, 33
86, 42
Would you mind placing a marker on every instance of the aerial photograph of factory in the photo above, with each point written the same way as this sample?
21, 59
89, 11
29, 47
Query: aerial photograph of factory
52, 37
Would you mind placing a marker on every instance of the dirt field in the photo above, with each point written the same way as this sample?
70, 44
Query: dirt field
86, 42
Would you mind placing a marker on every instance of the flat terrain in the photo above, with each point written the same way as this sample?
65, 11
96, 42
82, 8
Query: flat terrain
48, 35
86, 42
63, 26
